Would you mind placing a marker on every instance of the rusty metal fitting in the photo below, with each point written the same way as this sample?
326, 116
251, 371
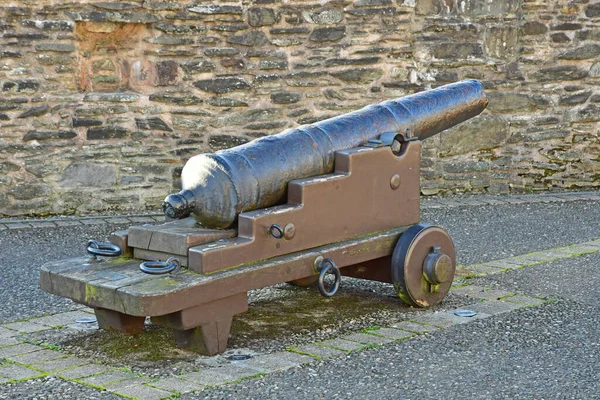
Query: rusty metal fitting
289, 231
395, 181
437, 267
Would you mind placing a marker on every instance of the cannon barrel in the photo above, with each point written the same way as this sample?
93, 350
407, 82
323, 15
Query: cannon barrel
217, 187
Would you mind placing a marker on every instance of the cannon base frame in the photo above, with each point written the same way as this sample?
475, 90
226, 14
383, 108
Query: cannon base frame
354, 217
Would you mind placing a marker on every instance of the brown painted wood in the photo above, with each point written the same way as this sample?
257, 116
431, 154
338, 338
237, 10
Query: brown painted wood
208, 339
204, 313
175, 237
156, 295
379, 270
356, 200
119, 322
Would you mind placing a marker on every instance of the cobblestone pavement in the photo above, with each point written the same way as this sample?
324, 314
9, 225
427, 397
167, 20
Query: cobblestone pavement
529, 291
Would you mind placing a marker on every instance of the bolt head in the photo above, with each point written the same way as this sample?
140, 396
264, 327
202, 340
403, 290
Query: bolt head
289, 231
395, 181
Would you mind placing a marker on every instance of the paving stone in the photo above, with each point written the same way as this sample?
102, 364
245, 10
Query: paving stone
36, 356
482, 269
366, 338
8, 341
18, 349
143, 392
18, 226
533, 258
494, 307
414, 327
3, 227
117, 220
61, 364
141, 220
320, 352
62, 319
502, 264
108, 377
117, 386
14, 371
488, 294
68, 223
447, 319
175, 385
592, 244
43, 224
275, 361
4, 380
26, 327
393, 334
219, 376
468, 290
93, 221
524, 300
580, 249
342, 344
83, 371
5, 333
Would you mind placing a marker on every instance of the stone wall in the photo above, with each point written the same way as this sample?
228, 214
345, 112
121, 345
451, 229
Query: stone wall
102, 102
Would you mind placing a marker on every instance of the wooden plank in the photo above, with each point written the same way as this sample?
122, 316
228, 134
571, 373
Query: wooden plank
188, 290
158, 256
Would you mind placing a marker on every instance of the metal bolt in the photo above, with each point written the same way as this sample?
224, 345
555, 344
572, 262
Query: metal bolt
318, 263
395, 181
437, 267
396, 146
289, 231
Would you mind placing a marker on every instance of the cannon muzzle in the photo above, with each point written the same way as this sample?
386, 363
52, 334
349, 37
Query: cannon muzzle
217, 187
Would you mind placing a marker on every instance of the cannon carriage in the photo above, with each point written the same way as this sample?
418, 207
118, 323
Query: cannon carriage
337, 198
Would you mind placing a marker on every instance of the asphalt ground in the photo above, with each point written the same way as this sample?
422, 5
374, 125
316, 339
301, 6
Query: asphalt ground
546, 352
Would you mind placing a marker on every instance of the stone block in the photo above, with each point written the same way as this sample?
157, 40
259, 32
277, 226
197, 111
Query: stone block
413, 327
366, 339
222, 85
18, 349
260, 16
457, 50
534, 28
108, 377
319, 352
275, 362
106, 132
26, 191
49, 135
198, 66
152, 123
342, 344
13, 371
143, 392
219, 376
468, 138
88, 175
560, 73
37, 357
83, 371
61, 364
362, 76
176, 385
285, 97
35, 111
210, 9
253, 38
584, 52
329, 34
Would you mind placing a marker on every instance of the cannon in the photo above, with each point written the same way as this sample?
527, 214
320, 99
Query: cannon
309, 205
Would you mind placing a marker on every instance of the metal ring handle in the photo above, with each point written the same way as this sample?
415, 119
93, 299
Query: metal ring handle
103, 249
327, 267
161, 267
276, 231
